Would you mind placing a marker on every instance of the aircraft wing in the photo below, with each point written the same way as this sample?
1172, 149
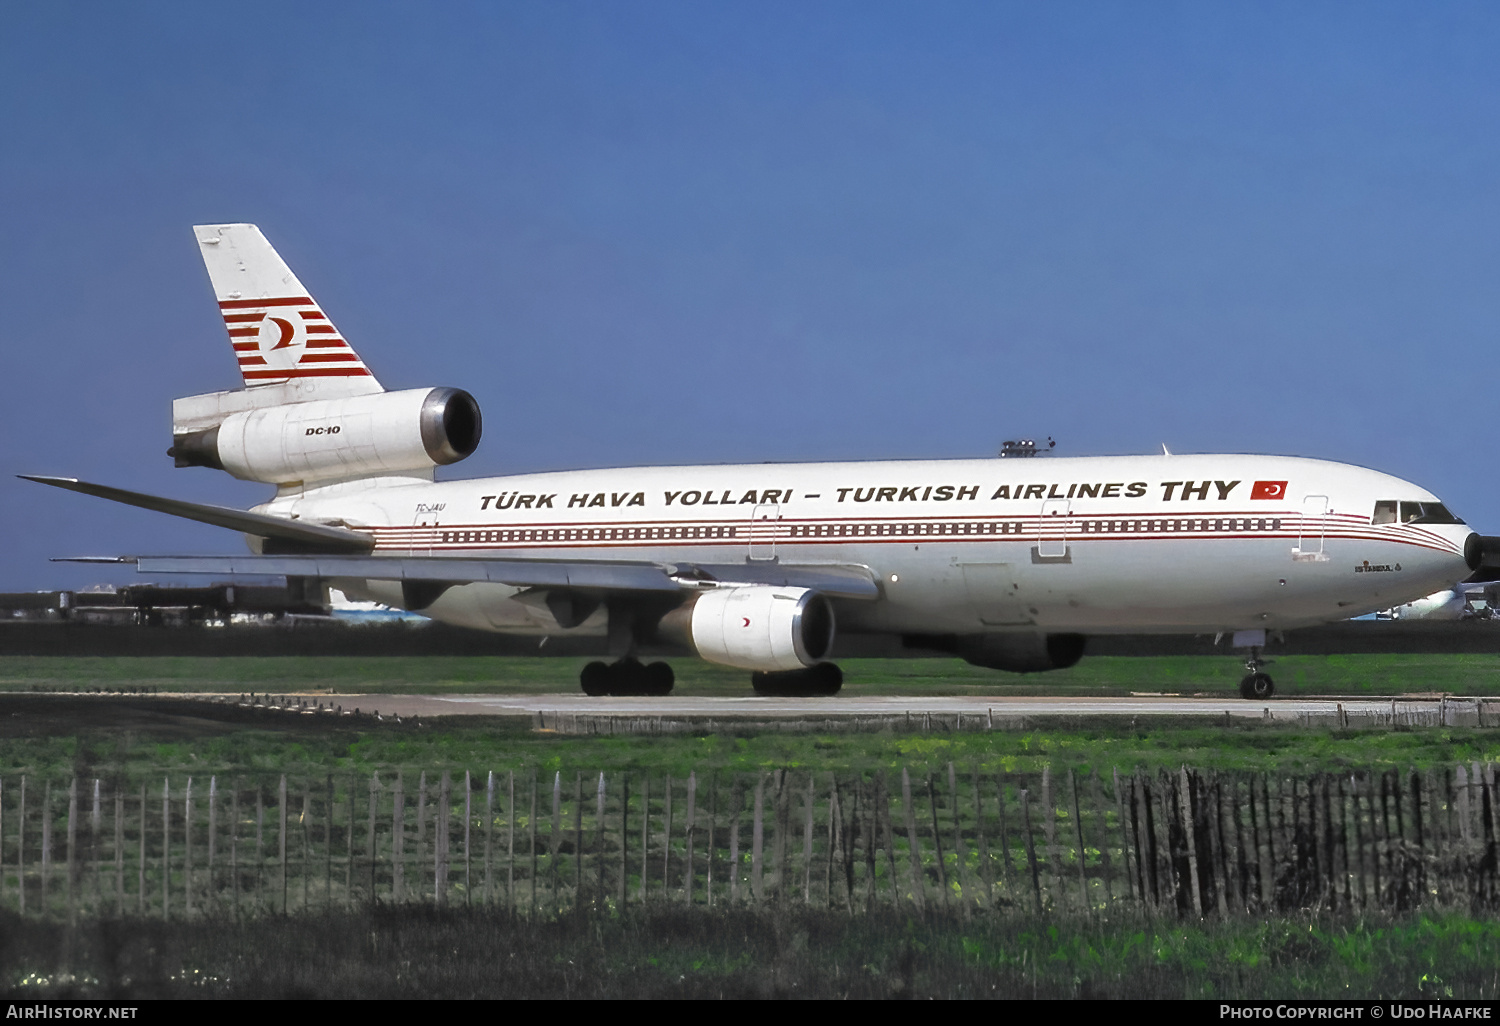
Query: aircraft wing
319, 537
325, 551
836, 580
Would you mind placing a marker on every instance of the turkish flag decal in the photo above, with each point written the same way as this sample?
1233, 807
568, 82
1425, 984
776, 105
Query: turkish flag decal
1268, 490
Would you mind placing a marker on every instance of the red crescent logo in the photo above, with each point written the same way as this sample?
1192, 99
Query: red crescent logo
287, 331
746, 619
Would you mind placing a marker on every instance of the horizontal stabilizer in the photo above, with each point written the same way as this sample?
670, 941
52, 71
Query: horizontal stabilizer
316, 537
837, 581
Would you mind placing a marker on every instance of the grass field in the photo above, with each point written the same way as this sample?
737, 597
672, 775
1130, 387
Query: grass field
673, 951
1348, 675
59, 737
792, 952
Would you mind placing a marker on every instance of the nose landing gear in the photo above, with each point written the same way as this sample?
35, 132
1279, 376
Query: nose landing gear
627, 677
1257, 683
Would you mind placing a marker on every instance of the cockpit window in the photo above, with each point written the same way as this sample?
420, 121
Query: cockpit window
1427, 513
1385, 512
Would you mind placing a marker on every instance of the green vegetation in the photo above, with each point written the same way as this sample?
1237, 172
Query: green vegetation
170, 743
789, 952
668, 950
1351, 675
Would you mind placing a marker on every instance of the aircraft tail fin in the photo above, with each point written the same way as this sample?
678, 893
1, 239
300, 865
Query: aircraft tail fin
279, 333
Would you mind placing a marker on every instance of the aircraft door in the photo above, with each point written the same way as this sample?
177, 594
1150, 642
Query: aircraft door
765, 525
424, 531
1052, 539
1310, 529
994, 593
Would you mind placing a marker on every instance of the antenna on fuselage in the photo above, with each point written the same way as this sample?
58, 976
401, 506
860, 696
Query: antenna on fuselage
1024, 447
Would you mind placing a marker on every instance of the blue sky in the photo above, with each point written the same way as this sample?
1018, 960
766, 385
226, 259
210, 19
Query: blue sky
718, 232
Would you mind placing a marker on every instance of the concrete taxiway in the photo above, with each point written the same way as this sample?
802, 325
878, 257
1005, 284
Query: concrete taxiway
754, 707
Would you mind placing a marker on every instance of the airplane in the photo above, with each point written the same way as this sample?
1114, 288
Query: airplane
1007, 563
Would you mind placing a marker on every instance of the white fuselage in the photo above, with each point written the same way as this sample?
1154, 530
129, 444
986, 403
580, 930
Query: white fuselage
1158, 544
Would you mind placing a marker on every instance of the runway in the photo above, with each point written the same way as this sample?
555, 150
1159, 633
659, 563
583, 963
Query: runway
1412, 708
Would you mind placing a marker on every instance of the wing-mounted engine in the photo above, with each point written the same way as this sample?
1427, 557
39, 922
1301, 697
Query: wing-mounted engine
755, 627
326, 439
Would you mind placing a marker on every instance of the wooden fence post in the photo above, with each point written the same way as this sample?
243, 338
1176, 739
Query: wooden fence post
304, 823
1190, 838
441, 836
577, 840
43, 896
1049, 830
21, 849
371, 852
839, 843
937, 843
1083, 878
624, 837
960, 849
986, 871
1101, 831
73, 850
783, 809
1127, 867
687, 836
532, 826
468, 824
95, 821
600, 895
213, 829
398, 840
489, 834
914, 847
807, 838
666, 839
1007, 865
1217, 842
328, 816
119, 852
421, 853
166, 847
757, 838
510, 842
349, 855
234, 845
1036, 878
736, 810
713, 838
887, 835
645, 832
281, 838
187, 848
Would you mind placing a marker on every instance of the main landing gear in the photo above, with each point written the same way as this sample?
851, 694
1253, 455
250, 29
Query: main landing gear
1257, 683
815, 681
627, 677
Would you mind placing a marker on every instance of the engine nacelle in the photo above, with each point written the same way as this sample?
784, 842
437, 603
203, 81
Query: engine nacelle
755, 627
335, 439
1028, 652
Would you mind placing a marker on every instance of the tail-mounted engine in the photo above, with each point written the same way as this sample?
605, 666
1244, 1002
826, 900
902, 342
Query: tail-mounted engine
755, 627
335, 439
